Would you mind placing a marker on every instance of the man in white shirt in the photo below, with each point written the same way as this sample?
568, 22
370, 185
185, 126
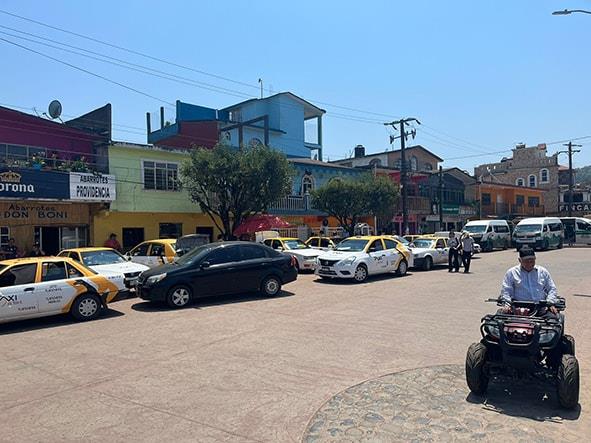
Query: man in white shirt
467, 250
528, 282
452, 260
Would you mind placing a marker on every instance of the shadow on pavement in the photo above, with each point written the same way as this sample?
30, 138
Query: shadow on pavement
54, 321
350, 281
147, 306
530, 399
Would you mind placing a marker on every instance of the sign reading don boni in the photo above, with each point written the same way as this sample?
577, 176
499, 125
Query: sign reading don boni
92, 187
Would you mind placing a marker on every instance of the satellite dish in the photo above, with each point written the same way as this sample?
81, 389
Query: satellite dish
55, 109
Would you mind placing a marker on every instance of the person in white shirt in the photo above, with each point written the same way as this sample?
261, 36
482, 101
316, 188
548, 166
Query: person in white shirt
467, 250
452, 260
528, 282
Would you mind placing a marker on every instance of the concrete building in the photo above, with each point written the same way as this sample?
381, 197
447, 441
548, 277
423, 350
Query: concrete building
530, 167
419, 159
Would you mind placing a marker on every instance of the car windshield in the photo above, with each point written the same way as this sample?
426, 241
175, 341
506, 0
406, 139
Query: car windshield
295, 244
353, 245
97, 258
193, 254
423, 243
528, 228
475, 229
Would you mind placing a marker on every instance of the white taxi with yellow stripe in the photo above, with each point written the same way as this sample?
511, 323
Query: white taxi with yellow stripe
359, 257
42, 286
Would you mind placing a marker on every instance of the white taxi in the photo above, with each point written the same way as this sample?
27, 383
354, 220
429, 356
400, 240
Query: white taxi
429, 251
305, 255
362, 256
38, 287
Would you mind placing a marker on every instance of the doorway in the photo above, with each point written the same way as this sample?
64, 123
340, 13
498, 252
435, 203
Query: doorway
205, 230
49, 239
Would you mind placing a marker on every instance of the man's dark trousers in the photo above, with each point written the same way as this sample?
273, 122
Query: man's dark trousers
466, 259
453, 260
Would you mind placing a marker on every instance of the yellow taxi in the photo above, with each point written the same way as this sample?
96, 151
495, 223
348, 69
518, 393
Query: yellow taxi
323, 243
305, 255
154, 252
362, 256
42, 286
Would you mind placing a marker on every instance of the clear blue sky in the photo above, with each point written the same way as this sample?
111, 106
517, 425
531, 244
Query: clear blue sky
492, 73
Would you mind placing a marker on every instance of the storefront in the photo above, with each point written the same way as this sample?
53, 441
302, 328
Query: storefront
54, 208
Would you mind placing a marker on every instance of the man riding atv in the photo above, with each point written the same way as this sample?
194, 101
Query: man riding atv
526, 336
528, 282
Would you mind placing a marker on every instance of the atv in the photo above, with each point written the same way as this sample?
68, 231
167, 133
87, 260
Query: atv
524, 342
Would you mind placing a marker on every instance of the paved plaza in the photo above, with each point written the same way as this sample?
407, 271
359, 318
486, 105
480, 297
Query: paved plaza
326, 361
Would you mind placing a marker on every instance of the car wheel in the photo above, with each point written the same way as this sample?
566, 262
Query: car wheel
86, 307
475, 376
428, 264
568, 382
360, 274
179, 297
271, 286
402, 268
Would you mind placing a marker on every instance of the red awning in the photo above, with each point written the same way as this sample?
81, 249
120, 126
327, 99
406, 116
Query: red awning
262, 222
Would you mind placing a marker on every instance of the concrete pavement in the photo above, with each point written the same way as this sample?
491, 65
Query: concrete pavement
246, 368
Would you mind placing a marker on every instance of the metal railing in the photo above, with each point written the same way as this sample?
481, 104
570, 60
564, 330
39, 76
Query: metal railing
292, 203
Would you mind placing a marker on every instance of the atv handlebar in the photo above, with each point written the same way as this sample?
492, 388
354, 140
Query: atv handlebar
560, 303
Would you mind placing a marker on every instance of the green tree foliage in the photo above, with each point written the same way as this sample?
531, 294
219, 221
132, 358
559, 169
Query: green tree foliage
583, 175
348, 200
229, 184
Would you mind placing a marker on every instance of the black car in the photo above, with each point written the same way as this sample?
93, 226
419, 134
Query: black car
217, 269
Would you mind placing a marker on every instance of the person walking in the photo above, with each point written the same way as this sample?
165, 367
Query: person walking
467, 250
113, 243
452, 260
37, 251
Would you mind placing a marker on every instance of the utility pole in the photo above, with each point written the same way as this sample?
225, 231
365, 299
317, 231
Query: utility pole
570, 153
440, 189
403, 177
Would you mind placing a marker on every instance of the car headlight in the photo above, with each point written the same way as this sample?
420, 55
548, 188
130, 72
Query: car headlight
547, 336
538, 238
349, 261
155, 278
310, 259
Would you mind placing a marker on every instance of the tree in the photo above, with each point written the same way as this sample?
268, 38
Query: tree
348, 200
230, 184
583, 175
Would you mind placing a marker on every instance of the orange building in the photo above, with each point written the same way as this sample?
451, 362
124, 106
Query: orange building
509, 201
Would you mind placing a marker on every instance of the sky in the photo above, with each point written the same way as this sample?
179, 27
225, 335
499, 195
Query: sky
480, 76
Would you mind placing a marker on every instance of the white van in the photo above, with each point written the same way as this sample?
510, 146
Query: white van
539, 233
577, 230
490, 234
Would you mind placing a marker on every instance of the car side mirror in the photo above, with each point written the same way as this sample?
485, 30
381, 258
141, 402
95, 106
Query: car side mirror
205, 265
128, 257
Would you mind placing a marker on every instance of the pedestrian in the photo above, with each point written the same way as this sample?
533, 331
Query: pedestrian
36, 251
113, 243
453, 262
11, 250
467, 250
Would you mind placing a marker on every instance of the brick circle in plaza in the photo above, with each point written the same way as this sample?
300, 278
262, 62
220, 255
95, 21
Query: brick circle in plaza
433, 403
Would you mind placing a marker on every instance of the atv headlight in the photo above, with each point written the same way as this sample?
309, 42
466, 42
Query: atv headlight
155, 279
349, 261
547, 336
493, 331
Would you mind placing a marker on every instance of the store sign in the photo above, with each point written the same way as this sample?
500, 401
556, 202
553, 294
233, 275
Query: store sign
451, 209
33, 184
91, 187
576, 207
34, 212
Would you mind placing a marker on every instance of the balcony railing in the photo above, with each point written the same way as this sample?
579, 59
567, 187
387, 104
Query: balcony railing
292, 203
505, 209
527, 210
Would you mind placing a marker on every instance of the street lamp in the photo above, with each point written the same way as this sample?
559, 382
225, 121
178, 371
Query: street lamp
568, 12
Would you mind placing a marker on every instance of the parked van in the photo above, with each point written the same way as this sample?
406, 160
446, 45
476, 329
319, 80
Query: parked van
539, 233
490, 234
577, 230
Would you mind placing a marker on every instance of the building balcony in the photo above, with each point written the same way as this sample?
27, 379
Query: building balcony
524, 210
511, 210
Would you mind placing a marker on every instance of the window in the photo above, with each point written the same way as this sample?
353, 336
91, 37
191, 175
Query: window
324, 242
255, 142
268, 242
555, 227
223, 255
16, 153
533, 202
51, 271
252, 252
375, 163
486, 200
428, 167
74, 256
583, 226
307, 184
440, 244
390, 244
73, 272
276, 244
157, 250
501, 229
520, 200
132, 237
4, 236
376, 246
19, 275
171, 230
544, 176
75, 237
414, 163
532, 181
520, 182
141, 250
160, 176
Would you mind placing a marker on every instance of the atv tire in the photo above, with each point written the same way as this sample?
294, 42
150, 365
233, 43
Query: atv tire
475, 377
568, 382
568, 344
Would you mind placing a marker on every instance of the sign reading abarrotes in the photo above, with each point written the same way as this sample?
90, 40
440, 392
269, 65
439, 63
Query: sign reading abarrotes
92, 187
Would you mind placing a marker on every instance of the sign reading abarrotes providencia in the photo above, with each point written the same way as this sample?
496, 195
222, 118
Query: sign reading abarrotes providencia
92, 187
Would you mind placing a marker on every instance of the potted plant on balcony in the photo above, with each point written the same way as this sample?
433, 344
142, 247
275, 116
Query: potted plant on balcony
80, 165
37, 162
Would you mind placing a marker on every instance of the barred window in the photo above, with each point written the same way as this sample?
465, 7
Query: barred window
160, 176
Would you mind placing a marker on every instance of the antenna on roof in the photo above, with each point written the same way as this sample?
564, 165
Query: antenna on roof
261, 83
55, 110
